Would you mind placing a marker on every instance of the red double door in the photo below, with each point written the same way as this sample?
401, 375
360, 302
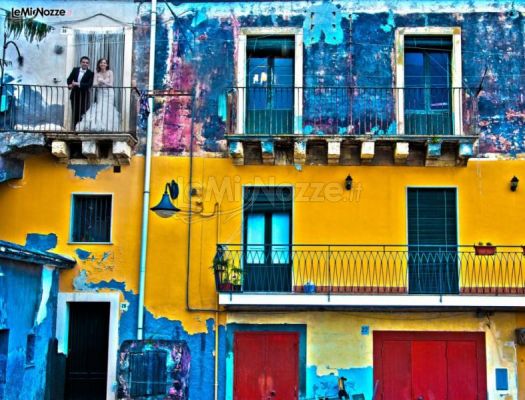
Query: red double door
430, 366
266, 365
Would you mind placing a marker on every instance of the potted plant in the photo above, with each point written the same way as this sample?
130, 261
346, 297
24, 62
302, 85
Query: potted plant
228, 277
487, 249
434, 147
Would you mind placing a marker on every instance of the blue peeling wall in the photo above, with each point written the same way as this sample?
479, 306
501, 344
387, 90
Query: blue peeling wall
345, 44
201, 345
359, 381
28, 298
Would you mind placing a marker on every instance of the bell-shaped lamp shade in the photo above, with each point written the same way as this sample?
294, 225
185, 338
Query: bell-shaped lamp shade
165, 208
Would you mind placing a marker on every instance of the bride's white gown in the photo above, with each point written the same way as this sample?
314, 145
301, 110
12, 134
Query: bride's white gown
102, 116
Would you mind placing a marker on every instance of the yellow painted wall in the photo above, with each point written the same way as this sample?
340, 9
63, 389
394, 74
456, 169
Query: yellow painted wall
373, 212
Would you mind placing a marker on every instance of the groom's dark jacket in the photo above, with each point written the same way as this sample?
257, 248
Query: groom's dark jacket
85, 84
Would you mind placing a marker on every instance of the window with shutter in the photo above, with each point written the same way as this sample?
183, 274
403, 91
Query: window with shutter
154, 369
147, 373
432, 240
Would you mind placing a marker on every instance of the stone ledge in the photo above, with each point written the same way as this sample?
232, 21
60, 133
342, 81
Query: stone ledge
352, 150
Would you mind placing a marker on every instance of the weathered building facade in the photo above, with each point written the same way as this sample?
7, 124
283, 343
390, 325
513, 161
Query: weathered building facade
335, 163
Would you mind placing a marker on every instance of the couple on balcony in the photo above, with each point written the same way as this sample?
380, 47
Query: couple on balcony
103, 116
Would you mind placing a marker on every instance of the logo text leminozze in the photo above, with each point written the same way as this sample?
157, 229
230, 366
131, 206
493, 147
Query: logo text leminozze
37, 12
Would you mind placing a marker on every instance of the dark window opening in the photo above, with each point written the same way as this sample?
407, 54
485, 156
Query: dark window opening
428, 85
4, 348
91, 218
267, 237
30, 349
270, 80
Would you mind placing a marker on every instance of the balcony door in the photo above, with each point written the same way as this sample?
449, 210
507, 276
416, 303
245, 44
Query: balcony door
428, 85
267, 238
269, 83
432, 241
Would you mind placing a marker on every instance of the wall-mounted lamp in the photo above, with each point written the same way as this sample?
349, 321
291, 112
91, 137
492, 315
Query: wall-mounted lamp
348, 182
514, 183
165, 208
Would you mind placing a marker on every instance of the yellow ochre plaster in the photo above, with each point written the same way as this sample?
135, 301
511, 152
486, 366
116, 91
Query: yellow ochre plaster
374, 211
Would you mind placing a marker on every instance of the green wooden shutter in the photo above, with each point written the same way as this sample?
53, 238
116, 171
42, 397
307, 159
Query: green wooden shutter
432, 217
432, 241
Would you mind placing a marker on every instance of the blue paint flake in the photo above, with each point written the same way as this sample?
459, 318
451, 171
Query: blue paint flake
390, 23
87, 171
323, 21
83, 254
37, 241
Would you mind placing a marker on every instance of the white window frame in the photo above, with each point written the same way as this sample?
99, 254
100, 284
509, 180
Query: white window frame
298, 72
457, 79
62, 329
72, 216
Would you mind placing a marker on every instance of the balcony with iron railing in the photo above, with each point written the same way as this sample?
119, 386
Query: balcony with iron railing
373, 275
350, 115
104, 114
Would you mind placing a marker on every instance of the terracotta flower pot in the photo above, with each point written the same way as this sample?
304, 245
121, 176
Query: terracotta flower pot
486, 250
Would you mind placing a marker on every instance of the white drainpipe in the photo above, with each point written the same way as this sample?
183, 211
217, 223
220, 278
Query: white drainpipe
147, 175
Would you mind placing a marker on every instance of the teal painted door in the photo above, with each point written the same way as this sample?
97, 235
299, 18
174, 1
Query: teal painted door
428, 91
267, 255
269, 82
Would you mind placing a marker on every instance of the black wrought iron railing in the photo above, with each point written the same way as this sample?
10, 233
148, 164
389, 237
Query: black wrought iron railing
282, 110
41, 108
350, 269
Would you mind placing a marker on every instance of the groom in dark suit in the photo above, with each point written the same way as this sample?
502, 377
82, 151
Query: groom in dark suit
80, 81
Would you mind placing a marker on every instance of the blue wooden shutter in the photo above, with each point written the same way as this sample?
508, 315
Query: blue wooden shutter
147, 373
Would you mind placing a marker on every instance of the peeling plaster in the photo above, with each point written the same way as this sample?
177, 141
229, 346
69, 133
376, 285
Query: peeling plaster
345, 45
80, 282
323, 22
11, 169
47, 282
359, 381
83, 254
390, 23
87, 171
41, 242
201, 344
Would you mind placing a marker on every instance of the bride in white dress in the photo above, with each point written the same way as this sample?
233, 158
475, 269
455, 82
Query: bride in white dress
102, 116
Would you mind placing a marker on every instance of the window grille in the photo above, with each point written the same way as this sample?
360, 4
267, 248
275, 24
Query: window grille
91, 218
